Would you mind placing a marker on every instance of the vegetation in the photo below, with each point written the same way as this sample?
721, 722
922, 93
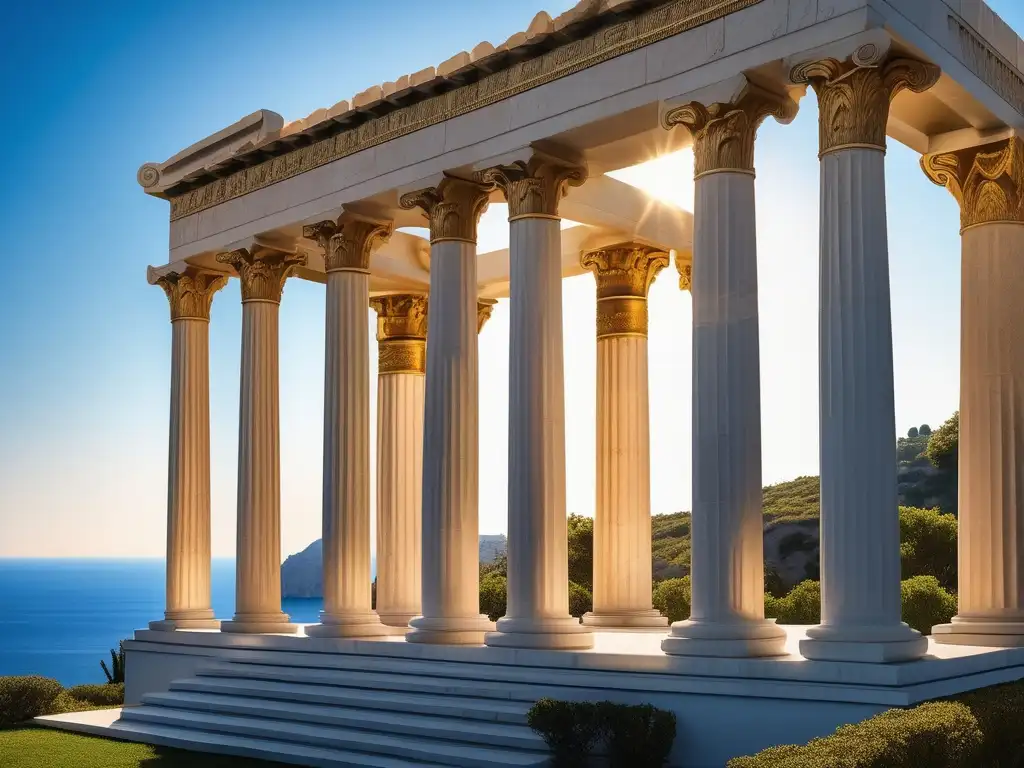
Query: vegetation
672, 598
493, 595
115, 673
926, 603
801, 606
580, 600
638, 736
581, 551
109, 695
979, 728
928, 545
22, 698
943, 444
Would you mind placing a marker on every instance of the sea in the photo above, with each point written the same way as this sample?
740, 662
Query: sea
60, 618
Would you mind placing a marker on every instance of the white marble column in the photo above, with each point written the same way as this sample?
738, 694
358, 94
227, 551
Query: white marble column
986, 182
188, 466
538, 571
727, 560
348, 608
263, 272
860, 546
622, 519
451, 554
401, 337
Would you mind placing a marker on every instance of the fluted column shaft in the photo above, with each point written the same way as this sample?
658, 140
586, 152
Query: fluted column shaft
188, 466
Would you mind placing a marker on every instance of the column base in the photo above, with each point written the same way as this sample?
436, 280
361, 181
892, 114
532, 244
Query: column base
637, 621
867, 644
348, 625
276, 623
548, 633
987, 633
174, 620
462, 630
735, 639
397, 618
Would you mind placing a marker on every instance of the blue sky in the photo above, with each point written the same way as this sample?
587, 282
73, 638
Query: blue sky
89, 91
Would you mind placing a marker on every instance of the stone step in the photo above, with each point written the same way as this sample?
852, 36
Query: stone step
253, 748
449, 729
413, 748
374, 680
462, 707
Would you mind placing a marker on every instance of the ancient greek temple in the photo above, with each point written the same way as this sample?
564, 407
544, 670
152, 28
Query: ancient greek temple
538, 122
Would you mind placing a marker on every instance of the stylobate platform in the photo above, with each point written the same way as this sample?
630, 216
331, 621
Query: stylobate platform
279, 696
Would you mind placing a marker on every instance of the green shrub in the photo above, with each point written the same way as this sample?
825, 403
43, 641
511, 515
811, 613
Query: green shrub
998, 711
109, 695
672, 598
22, 698
494, 596
571, 729
580, 532
933, 735
801, 606
926, 603
928, 545
637, 736
580, 600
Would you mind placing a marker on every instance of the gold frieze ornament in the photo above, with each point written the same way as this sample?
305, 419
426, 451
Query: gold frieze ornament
987, 181
534, 188
190, 293
723, 134
624, 275
453, 208
854, 95
348, 243
684, 266
262, 270
401, 333
484, 309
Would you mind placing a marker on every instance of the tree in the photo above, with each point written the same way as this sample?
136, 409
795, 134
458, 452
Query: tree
943, 443
581, 551
928, 545
924, 429
580, 600
912, 432
494, 596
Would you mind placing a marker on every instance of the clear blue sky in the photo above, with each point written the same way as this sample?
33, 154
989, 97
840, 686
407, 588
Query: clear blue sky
91, 90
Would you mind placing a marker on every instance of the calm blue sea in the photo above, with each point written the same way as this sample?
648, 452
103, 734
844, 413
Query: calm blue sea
58, 618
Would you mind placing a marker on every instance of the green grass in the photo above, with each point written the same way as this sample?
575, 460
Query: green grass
45, 748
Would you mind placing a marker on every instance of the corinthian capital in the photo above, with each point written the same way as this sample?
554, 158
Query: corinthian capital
723, 134
533, 188
401, 333
190, 293
348, 243
854, 95
262, 270
453, 207
987, 181
684, 266
484, 308
624, 275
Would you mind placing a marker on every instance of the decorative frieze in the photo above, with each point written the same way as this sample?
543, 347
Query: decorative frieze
854, 95
987, 181
659, 23
988, 65
534, 188
453, 207
190, 293
401, 333
624, 275
262, 270
484, 308
348, 243
723, 134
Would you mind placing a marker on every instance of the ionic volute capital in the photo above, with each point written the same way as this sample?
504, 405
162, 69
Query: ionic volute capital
262, 270
624, 275
190, 293
724, 133
484, 309
348, 243
401, 333
854, 95
534, 188
987, 181
453, 208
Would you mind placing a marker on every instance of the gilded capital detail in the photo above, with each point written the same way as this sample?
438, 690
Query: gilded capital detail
987, 181
854, 95
262, 271
684, 266
624, 275
348, 243
723, 134
453, 207
190, 293
484, 308
534, 188
401, 333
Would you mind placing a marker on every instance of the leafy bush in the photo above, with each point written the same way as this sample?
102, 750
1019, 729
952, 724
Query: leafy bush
928, 545
801, 606
115, 673
109, 695
998, 711
22, 698
638, 736
926, 603
672, 598
943, 443
494, 596
934, 735
580, 600
580, 532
